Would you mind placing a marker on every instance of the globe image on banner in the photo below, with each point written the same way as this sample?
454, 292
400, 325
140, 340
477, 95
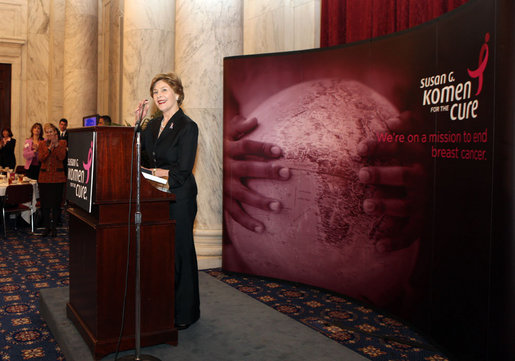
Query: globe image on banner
321, 236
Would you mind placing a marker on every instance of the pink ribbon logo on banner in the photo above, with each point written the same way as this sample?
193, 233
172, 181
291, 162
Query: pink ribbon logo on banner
87, 165
483, 60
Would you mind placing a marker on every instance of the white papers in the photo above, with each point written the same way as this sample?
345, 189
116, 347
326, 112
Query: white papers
153, 177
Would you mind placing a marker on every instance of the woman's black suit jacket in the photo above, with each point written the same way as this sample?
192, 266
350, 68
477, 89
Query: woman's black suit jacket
7, 157
174, 150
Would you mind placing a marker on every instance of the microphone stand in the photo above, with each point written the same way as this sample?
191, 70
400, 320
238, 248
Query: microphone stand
137, 222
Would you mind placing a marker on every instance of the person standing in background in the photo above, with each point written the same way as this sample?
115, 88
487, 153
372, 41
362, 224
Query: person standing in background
7, 144
63, 132
104, 120
30, 151
63, 135
51, 154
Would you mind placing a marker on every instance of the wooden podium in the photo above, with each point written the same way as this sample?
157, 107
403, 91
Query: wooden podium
99, 245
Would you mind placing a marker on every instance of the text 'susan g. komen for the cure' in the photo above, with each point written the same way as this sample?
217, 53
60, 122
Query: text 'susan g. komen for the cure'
78, 178
443, 93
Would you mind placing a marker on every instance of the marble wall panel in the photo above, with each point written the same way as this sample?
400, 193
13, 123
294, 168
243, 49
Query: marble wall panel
14, 19
104, 23
147, 52
38, 57
81, 39
56, 86
37, 102
303, 2
109, 59
57, 16
38, 16
306, 24
207, 35
208, 247
270, 30
37, 84
83, 7
208, 166
256, 8
113, 81
80, 60
80, 88
149, 14
37, 71
282, 25
148, 45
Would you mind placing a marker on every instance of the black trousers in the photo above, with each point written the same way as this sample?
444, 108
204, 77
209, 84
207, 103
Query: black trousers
50, 197
187, 301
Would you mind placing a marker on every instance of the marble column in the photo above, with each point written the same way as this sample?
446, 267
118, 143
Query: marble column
206, 33
56, 63
148, 49
37, 73
281, 25
80, 60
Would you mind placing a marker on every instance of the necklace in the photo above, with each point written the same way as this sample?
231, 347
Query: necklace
161, 127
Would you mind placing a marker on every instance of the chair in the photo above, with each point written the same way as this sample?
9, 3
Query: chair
15, 196
20, 170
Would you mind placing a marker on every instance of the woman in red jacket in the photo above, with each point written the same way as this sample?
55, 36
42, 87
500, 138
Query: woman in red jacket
51, 154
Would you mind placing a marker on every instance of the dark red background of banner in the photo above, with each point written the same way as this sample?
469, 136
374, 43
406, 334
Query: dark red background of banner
463, 282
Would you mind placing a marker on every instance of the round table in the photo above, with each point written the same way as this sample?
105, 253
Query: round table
35, 195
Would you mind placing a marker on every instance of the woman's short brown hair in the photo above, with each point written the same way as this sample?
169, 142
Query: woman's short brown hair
171, 79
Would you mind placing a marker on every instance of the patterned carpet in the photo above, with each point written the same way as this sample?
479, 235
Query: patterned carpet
371, 334
29, 263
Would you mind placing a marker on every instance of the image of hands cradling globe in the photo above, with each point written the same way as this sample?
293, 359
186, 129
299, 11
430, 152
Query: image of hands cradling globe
311, 196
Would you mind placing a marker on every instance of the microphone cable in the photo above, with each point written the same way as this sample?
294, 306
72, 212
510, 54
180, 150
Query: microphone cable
122, 325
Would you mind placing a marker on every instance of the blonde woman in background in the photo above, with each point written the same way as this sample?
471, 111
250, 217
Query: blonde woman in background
51, 153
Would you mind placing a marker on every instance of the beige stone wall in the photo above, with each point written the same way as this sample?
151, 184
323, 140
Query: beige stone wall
73, 58
110, 35
284, 25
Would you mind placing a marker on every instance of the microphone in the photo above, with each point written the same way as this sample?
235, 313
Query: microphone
141, 109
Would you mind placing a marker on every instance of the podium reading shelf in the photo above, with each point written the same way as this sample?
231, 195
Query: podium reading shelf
98, 248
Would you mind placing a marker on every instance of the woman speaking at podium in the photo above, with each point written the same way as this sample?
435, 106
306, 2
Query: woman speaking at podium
169, 147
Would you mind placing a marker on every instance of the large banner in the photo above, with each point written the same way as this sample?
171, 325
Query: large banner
373, 170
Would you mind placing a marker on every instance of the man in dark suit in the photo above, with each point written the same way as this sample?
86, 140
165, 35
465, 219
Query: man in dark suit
63, 133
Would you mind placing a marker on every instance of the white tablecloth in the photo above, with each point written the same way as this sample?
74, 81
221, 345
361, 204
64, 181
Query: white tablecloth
35, 196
